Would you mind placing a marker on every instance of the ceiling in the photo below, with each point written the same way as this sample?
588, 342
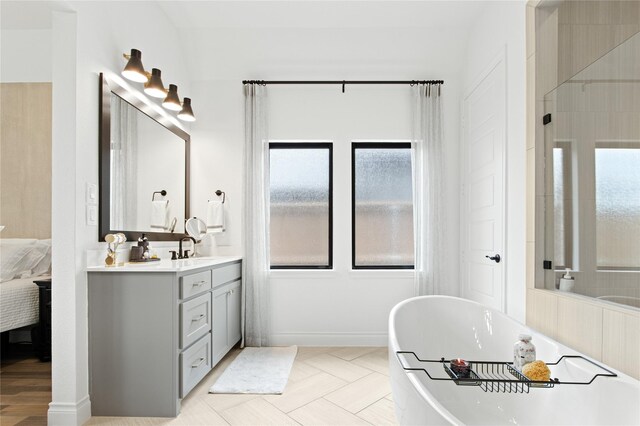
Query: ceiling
316, 38
189, 14
28, 15
321, 14
322, 38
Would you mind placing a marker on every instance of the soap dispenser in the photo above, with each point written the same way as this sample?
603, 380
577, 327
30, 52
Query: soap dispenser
567, 281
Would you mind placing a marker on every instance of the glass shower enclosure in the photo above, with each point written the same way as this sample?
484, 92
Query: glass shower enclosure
592, 178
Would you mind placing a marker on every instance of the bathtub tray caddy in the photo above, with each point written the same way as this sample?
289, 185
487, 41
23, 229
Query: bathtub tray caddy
493, 376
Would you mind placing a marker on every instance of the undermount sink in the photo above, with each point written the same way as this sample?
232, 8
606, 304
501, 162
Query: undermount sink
195, 260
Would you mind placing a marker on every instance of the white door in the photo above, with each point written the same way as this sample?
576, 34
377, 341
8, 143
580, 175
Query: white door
483, 222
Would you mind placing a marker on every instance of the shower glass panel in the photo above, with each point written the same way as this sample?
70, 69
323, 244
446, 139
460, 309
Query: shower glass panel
592, 178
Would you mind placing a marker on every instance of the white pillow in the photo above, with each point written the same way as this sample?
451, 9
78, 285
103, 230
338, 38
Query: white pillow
17, 241
44, 265
17, 260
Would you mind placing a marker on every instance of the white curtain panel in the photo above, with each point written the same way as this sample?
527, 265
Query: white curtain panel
124, 139
428, 215
255, 266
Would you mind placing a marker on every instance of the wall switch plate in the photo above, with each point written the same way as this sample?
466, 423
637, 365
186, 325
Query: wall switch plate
91, 197
92, 215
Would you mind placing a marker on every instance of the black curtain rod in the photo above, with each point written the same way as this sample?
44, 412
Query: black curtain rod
343, 82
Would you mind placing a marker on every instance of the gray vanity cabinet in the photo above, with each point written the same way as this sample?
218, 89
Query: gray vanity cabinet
226, 311
153, 336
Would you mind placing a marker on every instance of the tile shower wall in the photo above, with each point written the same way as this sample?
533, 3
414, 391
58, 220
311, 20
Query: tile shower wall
562, 40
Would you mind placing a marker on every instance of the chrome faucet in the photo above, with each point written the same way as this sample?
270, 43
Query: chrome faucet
185, 254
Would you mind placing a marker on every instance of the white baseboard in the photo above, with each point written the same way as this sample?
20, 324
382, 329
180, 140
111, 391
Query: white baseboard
68, 413
329, 339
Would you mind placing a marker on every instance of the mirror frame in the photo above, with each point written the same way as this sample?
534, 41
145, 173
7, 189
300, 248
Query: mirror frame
107, 87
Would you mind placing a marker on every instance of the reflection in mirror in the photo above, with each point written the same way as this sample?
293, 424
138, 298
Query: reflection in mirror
145, 158
592, 202
144, 167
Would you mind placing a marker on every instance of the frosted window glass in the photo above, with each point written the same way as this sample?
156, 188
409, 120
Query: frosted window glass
618, 207
383, 207
299, 181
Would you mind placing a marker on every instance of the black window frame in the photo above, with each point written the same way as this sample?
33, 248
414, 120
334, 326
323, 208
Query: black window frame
310, 145
369, 145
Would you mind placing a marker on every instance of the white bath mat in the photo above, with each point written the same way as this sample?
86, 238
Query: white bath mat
257, 370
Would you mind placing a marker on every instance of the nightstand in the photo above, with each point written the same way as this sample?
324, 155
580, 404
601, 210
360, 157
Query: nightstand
41, 334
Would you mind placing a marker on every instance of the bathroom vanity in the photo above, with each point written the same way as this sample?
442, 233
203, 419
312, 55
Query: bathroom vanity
157, 329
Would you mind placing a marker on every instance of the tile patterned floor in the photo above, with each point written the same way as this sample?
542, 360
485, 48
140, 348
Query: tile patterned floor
327, 386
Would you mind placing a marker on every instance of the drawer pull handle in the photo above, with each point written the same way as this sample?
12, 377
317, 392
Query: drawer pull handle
198, 364
198, 283
198, 318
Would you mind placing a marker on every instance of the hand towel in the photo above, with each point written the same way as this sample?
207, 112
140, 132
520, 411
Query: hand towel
160, 214
215, 216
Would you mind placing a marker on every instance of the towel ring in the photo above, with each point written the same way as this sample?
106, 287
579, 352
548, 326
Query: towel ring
163, 193
219, 193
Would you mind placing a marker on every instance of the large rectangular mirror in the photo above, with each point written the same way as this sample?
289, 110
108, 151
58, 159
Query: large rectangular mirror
144, 168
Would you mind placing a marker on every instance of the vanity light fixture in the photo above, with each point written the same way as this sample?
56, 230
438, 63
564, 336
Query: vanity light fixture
134, 70
172, 101
154, 86
187, 113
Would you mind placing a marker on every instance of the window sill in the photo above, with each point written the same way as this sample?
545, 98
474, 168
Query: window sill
381, 273
333, 273
303, 273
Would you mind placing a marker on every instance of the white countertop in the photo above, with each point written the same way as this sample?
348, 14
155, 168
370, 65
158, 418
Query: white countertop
167, 265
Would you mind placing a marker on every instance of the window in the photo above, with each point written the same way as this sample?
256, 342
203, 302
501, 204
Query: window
562, 206
382, 206
301, 187
618, 205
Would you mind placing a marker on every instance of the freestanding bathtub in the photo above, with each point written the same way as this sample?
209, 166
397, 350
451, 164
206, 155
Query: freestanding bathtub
436, 327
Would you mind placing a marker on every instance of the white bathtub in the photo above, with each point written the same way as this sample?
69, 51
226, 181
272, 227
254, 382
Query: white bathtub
440, 326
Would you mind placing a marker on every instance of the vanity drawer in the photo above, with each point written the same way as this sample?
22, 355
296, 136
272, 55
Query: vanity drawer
195, 363
195, 319
191, 285
226, 273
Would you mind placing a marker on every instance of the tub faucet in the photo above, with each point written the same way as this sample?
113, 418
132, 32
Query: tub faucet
185, 254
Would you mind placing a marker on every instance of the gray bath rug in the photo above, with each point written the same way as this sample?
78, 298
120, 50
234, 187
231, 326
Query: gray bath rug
257, 370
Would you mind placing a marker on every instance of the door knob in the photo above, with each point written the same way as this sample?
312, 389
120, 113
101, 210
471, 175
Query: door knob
495, 258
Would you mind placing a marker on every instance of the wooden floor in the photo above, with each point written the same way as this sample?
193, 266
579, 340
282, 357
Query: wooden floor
25, 390
327, 386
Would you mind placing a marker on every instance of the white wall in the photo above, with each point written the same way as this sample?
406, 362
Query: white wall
236, 54
500, 28
86, 42
343, 307
339, 307
26, 55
